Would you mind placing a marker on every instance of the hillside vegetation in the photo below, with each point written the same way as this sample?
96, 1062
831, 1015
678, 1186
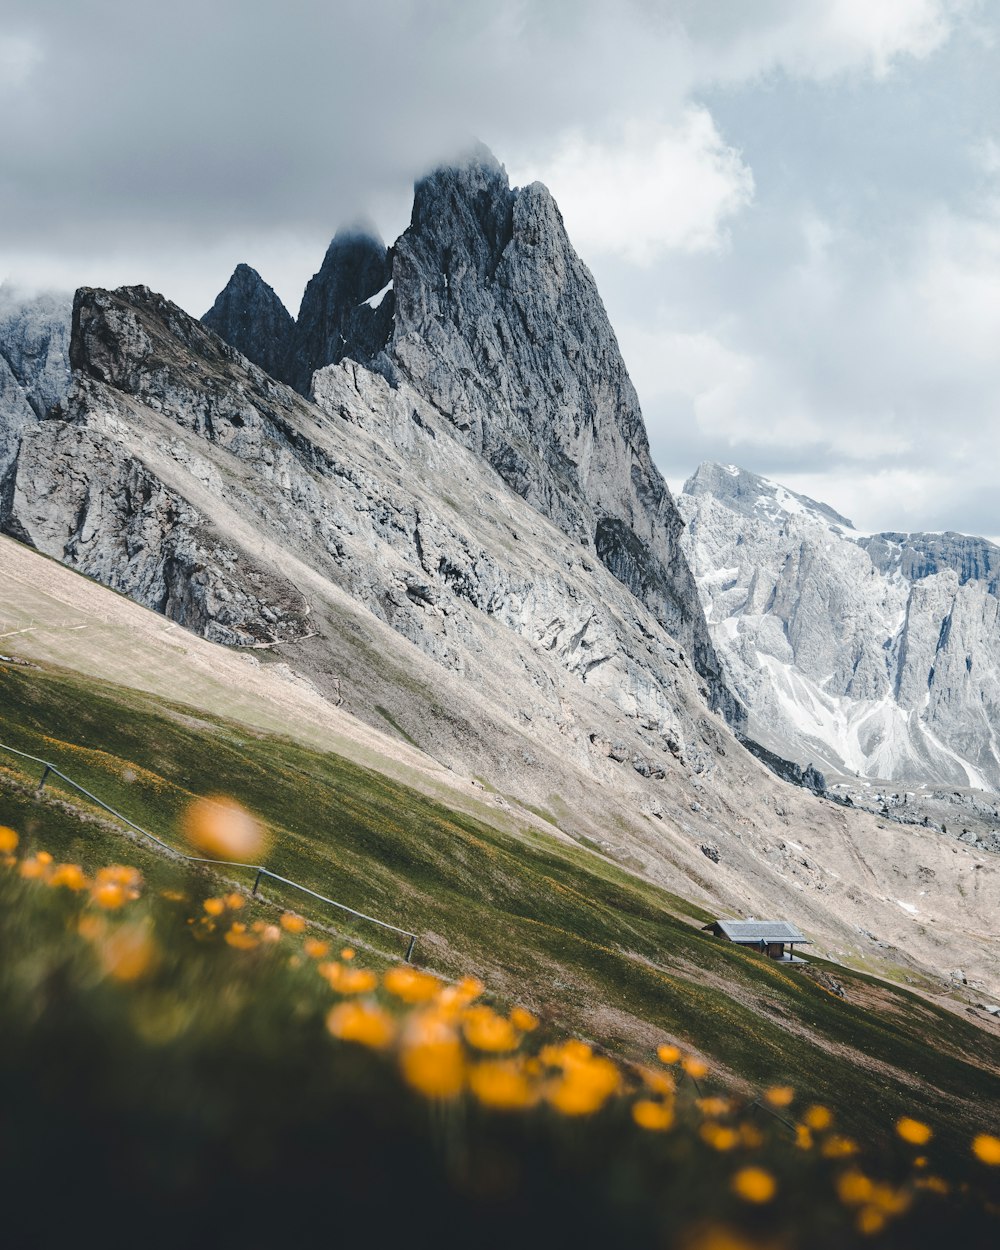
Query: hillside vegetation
588, 949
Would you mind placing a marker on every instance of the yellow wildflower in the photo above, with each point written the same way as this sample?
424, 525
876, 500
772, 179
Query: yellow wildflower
485, 1030
363, 1023
718, 1136
754, 1185
587, 1082
870, 1221
8, 840
292, 923
347, 954
347, 980
668, 1054
818, 1118
130, 879
431, 1059
69, 875
128, 953
522, 1019
854, 1188
502, 1083
92, 927
173, 896
658, 1082
410, 984
891, 1201
214, 906
838, 1147
108, 895
36, 867
803, 1137
238, 937
913, 1131
935, 1184
694, 1067
779, 1095
987, 1149
713, 1107
233, 901
316, 949
219, 827
652, 1115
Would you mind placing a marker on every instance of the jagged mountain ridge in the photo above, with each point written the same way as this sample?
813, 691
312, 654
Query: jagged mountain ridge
249, 314
362, 543
875, 655
485, 310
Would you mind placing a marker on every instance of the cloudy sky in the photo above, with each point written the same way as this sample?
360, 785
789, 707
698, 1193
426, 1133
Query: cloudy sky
792, 207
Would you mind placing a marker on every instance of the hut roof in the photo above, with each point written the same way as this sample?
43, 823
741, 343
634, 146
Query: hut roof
760, 931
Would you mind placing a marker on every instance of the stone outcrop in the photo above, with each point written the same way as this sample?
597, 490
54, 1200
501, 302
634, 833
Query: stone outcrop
346, 308
34, 363
248, 314
870, 655
188, 478
483, 309
499, 325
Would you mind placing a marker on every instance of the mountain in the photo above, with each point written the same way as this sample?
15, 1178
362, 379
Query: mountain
248, 314
869, 655
483, 309
34, 363
524, 617
346, 308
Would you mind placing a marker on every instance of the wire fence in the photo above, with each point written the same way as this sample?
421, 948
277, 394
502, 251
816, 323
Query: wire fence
50, 769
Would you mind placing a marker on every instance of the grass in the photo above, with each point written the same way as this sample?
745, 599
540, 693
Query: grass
586, 945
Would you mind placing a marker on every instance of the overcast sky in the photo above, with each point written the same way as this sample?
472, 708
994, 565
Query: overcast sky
792, 207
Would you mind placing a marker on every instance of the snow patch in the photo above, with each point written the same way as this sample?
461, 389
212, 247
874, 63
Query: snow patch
373, 301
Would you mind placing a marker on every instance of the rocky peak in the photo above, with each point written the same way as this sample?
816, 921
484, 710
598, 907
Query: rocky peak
498, 323
346, 309
753, 496
248, 314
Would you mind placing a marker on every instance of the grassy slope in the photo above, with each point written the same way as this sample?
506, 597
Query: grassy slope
601, 952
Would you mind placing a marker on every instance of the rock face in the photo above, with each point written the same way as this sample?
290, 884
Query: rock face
346, 309
484, 310
184, 476
249, 315
872, 655
34, 363
499, 325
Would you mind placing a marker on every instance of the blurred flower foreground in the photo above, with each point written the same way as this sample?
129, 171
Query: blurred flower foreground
187, 1065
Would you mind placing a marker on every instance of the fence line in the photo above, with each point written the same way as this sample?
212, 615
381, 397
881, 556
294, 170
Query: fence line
49, 768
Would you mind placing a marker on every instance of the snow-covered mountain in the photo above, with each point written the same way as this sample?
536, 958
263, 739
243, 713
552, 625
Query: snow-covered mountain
869, 654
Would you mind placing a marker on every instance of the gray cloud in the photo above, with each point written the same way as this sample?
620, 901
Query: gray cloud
815, 294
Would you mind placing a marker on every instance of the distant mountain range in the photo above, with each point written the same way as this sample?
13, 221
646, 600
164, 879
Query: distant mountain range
870, 655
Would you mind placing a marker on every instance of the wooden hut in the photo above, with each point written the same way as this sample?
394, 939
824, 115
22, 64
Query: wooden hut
770, 937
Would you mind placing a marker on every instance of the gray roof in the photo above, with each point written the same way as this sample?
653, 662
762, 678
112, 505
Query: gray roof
760, 931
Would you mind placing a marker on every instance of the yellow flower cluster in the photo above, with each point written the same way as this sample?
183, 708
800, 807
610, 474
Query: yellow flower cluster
448, 1042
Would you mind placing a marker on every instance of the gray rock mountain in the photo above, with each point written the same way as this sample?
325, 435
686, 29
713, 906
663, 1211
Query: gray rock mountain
360, 542
499, 325
34, 363
346, 308
248, 314
870, 655
484, 309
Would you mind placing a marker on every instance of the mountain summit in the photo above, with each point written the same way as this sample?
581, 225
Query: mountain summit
248, 314
485, 310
